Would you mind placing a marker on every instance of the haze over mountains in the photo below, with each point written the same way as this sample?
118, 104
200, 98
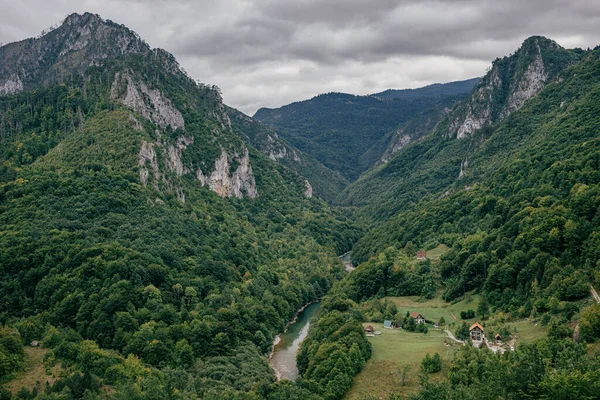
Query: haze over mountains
156, 241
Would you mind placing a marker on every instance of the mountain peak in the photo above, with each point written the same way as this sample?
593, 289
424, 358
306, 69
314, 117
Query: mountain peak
510, 82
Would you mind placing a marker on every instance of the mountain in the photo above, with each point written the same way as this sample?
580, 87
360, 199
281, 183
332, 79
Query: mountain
321, 180
144, 240
348, 133
442, 158
515, 201
520, 214
437, 89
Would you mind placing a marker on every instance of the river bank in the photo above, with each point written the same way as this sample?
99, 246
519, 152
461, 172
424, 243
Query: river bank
285, 345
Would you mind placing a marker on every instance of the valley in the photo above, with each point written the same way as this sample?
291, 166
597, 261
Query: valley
441, 242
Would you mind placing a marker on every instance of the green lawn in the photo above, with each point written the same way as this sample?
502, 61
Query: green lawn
391, 350
436, 308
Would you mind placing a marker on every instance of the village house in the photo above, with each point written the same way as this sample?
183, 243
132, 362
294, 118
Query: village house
476, 332
419, 319
387, 324
369, 329
421, 255
498, 338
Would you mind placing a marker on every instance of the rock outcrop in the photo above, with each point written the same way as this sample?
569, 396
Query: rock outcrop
509, 84
149, 103
237, 184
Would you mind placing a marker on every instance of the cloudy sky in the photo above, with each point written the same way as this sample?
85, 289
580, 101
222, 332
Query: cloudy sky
267, 53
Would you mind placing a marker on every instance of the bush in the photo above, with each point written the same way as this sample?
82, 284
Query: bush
431, 364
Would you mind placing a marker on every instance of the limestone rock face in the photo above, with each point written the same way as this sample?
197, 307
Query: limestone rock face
479, 108
309, 190
509, 84
147, 155
149, 103
237, 184
533, 80
11, 86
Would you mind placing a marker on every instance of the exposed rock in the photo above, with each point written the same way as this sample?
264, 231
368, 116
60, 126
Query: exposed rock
398, 142
463, 167
11, 86
174, 155
309, 190
146, 155
530, 84
478, 109
149, 103
234, 185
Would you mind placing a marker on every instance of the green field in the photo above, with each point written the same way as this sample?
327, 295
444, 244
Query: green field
393, 349
436, 308
396, 347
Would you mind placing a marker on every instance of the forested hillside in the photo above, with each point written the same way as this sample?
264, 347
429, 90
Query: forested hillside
521, 217
143, 240
348, 133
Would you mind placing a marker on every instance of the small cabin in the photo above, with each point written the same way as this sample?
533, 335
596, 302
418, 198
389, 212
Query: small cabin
498, 338
387, 324
421, 255
369, 329
419, 319
476, 332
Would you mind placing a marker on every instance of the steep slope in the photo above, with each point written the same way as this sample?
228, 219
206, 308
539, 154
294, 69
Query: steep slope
321, 181
522, 220
142, 239
443, 157
344, 132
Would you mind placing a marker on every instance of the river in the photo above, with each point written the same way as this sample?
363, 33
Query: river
283, 358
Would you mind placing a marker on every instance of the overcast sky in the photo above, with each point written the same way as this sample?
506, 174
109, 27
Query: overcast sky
267, 53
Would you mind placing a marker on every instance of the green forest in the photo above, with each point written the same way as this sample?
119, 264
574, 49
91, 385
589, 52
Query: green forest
154, 242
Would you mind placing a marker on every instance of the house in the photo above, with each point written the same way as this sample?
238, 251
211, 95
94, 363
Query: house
498, 338
436, 325
476, 332
387, 324
421, 255
419, 319
369, 329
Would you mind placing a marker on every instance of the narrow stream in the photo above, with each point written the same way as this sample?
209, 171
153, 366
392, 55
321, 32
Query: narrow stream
283, 359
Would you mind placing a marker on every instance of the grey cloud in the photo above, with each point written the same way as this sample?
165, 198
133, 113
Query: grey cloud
272, 52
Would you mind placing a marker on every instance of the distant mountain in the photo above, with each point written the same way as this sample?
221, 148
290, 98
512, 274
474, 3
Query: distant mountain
436, 89
348, 133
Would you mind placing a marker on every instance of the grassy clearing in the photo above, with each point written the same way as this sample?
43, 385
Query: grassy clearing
436, 308
435, 254
34, 374
527, 331
391, 350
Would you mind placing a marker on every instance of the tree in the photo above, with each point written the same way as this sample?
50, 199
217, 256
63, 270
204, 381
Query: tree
483, 309
462, 333
410, 249
431, 364
442, 321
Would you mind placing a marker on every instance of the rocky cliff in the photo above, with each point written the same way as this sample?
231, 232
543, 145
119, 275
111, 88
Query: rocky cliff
509, 83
